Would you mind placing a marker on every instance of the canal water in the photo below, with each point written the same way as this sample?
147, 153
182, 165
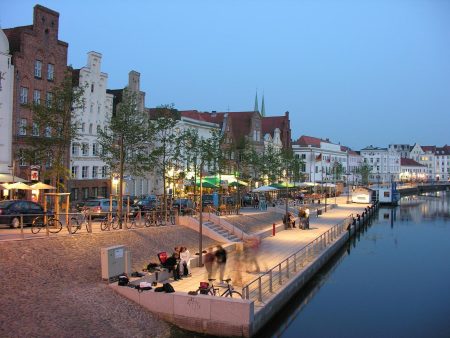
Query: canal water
391, 280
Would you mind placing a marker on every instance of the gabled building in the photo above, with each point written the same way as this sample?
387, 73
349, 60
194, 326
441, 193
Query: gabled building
40, 63
277, 131
435, 159
90, 176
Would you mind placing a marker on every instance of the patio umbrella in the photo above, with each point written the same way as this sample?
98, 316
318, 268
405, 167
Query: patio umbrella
281, 185
307, 184
264, 188
42, 186
8, 178
329, 185
19, 186
238, 183
207, 184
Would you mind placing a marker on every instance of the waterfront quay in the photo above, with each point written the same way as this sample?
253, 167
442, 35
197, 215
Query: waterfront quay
287, 261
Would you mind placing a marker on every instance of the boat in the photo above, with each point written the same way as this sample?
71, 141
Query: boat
386, 194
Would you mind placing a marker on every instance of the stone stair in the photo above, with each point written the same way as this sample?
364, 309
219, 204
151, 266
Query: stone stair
221, 231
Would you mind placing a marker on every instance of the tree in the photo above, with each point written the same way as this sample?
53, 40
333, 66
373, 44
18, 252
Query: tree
338, 170
124, 142
364, 170
54, 128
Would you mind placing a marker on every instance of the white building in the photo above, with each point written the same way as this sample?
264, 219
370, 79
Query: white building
384, 163
6, 104
402, 149
319, 158
412, 171
90, 177
436, 160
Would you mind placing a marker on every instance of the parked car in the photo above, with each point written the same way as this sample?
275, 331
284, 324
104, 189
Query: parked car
10, 211
183, 205
100, 206
147, 204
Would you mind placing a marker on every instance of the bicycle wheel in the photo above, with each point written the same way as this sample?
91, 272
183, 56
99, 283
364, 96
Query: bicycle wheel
131, 223
37, 224
74, 225
148, 222
104, 224
54, 225
115, 223
232, 294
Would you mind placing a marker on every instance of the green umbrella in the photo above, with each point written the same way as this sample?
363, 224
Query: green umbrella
281, 185
238, 183
207, 184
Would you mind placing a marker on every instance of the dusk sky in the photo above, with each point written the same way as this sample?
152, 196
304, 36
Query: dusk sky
357, 72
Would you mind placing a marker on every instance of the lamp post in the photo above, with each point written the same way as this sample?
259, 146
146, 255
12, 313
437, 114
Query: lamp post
287, 192
200, 219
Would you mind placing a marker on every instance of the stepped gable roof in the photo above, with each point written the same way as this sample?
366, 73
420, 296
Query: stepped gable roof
270, 123
14, 36
408, 162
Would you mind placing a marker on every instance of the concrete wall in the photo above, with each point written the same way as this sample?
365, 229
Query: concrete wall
207, 314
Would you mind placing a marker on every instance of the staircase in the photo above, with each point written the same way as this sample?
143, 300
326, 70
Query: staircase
221, 231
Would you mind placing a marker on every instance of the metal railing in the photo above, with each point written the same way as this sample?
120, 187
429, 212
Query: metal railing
263, 287
233, 231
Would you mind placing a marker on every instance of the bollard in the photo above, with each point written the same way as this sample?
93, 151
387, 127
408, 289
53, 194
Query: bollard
273, 229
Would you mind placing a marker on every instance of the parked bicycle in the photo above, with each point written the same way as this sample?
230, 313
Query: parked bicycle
80, 221
110, 222
210, 289
43, 221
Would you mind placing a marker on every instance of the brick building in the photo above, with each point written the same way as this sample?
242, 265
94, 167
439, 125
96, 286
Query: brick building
40, 63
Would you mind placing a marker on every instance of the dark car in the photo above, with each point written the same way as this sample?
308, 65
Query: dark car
183, 205
11, 210
147, 204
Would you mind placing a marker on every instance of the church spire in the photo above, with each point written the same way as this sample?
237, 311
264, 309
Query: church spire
263, 107
256, 102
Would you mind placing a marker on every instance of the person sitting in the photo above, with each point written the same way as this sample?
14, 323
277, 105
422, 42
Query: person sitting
292, 220
172, 264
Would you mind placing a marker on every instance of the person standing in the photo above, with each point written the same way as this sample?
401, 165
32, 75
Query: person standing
307, 218
209, 263
185, 257
221, 259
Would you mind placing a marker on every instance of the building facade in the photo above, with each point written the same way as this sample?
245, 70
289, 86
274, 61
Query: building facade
319, 158
435, 159
412, 171
6, 104
40, 63
384, 164
89, 174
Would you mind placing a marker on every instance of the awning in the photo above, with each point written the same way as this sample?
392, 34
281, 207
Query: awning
8, 178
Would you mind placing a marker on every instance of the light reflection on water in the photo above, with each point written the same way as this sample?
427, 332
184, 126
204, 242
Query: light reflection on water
392, 280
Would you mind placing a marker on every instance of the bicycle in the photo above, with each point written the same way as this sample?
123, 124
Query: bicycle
77, 223
54, 225
209, 289
107, 224
150, 219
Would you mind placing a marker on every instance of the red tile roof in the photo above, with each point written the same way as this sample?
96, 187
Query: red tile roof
408, 162
270, 123
309, 140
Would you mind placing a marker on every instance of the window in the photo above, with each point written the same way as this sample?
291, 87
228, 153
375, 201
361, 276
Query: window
90, 128
74, 193
49, 99
22, 161
23, 95
94, 149
98, 129
83, 127
92, 108
84, 172
50, 72
94, 191
35, 130
92, 88
49, 159
75, 171
85, 193
75, 149
104, 171
37, 97
23, 127
85, 149
94, 171
38, 69
48, 132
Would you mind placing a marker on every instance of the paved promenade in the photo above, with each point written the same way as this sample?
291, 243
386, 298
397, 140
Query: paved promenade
274, 249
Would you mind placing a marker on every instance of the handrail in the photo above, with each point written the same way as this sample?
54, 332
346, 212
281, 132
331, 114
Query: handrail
223, 226
273, 278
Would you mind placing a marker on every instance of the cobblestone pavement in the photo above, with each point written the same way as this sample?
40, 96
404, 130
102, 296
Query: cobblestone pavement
51, 287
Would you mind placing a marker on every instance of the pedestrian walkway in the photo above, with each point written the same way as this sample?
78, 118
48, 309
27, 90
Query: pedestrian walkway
274, 249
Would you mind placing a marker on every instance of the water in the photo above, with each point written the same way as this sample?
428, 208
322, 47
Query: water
392, 280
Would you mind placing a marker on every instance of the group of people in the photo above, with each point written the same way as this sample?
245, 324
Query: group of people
216, 261
179, 262
303, 215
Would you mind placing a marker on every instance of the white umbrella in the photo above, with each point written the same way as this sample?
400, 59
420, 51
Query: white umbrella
308, 184
19, 186
264, 188
42, 186
329, 185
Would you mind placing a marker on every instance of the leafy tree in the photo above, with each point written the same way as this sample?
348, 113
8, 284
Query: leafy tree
364, 170
338, 171
53, 130
124, 142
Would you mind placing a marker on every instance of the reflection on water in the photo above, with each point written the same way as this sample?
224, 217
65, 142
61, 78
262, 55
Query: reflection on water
391, 280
